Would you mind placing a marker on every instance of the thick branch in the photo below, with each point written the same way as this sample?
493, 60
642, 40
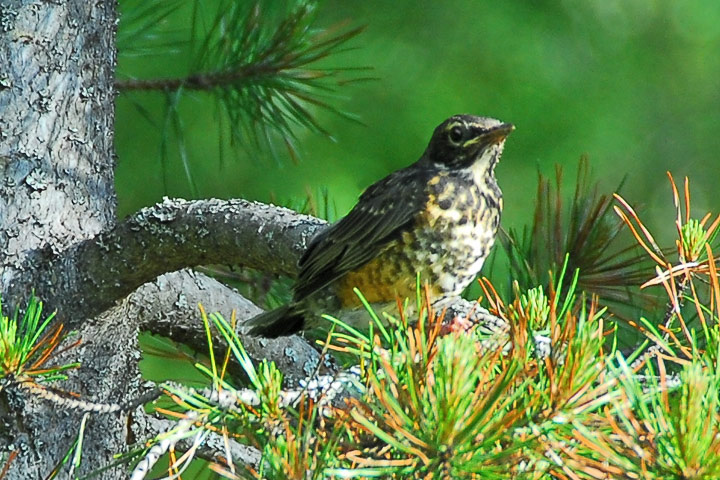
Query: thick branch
168, 306
167, 237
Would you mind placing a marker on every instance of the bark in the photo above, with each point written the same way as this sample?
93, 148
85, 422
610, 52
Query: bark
94, 274
43, 432
57, 64
169, 306
56, 179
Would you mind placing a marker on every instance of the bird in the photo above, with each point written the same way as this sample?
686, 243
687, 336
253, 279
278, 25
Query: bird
436, 218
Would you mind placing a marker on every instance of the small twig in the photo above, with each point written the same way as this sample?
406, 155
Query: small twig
8, 462
64, 400
681, 286
199, 81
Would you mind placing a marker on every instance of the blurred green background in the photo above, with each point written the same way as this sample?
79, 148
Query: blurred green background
633, 84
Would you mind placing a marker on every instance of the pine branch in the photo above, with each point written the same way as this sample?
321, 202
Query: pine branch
168, 306
262, 65
610, 265
213, 449
91, 276
198, 81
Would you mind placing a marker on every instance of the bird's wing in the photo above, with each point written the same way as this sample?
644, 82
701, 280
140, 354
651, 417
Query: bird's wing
383, 212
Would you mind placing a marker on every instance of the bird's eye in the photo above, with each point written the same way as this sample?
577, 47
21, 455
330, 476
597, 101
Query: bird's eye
456, 134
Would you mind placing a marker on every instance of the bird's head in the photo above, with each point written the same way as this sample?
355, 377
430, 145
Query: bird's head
467, 142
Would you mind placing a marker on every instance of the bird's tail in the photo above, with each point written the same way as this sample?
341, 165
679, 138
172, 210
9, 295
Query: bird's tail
280, 322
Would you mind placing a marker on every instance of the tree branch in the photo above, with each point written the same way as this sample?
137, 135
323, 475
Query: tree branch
145, 426
201, 81
173, 235
168, 306
91, 276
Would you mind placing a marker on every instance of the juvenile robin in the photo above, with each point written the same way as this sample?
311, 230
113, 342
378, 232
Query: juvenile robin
437, 217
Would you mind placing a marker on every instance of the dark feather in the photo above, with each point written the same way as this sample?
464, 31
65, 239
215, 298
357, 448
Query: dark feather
384, 211
282, 321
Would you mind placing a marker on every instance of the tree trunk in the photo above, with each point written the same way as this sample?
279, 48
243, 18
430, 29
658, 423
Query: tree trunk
57, 64
56, 137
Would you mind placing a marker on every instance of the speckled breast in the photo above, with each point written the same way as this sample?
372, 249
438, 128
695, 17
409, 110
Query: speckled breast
450, 240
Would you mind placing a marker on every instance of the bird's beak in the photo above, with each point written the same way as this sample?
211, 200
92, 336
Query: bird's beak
499, 133
492, 136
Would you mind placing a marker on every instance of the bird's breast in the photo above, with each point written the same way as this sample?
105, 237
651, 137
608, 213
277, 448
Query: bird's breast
447, 244
460, 222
